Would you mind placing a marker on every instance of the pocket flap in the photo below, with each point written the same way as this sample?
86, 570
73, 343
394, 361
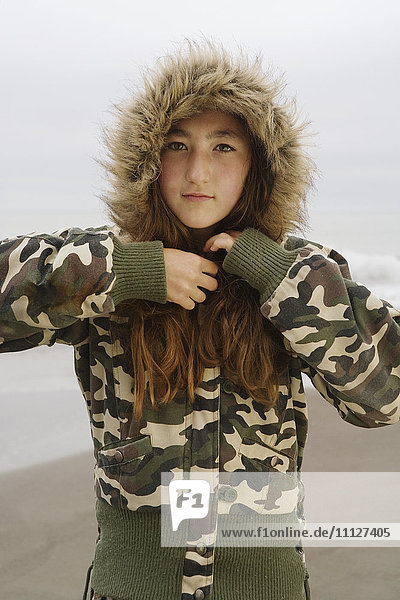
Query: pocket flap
125, 451
269, 456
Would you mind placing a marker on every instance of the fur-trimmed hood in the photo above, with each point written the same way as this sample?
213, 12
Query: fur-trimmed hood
205, 77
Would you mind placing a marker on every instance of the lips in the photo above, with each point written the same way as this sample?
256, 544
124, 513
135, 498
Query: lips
197, 197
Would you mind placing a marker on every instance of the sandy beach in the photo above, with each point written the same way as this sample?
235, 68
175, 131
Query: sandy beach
48, 527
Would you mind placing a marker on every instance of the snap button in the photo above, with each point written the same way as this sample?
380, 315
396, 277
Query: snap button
228, 386
118, 456
227, 494
201, 549
274, 461
230, 495
199, 594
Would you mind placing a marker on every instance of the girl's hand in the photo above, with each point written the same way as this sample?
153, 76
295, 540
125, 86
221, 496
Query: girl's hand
185, 273
222, 241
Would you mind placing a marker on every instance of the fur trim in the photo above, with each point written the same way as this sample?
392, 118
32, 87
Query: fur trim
205, 77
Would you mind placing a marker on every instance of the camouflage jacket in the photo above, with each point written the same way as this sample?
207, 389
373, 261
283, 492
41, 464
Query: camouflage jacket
58, 288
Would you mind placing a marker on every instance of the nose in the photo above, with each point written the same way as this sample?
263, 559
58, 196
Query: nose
198, 168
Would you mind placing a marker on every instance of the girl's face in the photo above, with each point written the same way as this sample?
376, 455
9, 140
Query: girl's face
204, 165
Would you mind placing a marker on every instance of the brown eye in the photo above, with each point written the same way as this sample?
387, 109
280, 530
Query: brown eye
225, 148
176, 146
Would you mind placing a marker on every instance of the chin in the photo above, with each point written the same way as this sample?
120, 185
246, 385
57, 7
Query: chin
197, 225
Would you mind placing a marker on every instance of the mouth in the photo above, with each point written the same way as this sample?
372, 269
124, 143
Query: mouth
197, 197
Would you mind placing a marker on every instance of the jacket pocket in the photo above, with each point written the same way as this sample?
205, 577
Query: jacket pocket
124, 452
268, 481
259, 456
123, 470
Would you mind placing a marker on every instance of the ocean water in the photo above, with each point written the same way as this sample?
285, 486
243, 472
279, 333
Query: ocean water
43, 412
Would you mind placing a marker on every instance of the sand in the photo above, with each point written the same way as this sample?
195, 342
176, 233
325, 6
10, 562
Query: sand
48, 528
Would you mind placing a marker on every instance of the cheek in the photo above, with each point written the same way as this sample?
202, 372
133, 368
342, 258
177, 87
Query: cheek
245, 168
167, 178
236, 179
164, 179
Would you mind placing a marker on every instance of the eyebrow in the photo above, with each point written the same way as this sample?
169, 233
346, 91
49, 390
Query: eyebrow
217, 133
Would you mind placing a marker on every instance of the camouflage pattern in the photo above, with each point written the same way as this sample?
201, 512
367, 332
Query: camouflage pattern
50, 285
56, 288
348, 341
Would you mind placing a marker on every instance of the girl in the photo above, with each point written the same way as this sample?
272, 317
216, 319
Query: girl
193, 319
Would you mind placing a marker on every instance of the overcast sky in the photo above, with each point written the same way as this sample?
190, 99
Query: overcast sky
65, 63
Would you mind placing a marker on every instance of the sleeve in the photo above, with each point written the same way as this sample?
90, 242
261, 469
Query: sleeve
347, 339
50, 284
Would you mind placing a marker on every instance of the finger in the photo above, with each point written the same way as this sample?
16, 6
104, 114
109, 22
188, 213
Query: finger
208, 266
209, 283
209, 243
198, 296
234, 234
215, 241
188, 304
224, 243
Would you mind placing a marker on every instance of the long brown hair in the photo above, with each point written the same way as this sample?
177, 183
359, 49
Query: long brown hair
170, 346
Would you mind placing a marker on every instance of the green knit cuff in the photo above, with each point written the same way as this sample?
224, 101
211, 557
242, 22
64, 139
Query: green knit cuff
140, 272
260, 261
